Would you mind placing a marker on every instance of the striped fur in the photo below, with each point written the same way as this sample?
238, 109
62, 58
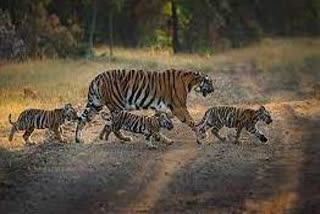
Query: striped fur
31, 119
217, 117
137, 89
148, 126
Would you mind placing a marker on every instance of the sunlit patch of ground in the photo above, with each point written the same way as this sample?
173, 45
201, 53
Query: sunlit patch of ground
102, 177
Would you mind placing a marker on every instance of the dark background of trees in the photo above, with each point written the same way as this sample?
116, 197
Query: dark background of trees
71, 27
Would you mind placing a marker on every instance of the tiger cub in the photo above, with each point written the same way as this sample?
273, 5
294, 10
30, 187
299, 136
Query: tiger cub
31, 119
217, 117
148, 126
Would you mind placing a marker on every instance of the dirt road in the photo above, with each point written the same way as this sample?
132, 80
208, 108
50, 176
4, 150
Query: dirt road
98, 177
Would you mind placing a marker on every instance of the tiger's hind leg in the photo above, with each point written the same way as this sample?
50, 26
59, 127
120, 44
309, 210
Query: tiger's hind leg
104, 134
26, 136
121, 136
238, 135
216, 133
13, 130
150, 142
57, 135
87, 115
163, 139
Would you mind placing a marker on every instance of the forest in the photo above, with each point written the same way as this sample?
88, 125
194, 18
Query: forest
70, 28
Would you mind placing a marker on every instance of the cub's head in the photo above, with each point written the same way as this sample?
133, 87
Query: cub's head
69, 112
205, 85
264, 115
165, 121
106, 117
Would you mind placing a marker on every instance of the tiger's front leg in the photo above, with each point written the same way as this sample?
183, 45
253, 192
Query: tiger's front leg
216, 133
239, 130
184, 116
57, 134
104, 134
253, 130
87, 115
150, 141
163, 139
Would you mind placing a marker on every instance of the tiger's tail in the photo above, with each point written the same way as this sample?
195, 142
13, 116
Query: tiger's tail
13, 129
10, 121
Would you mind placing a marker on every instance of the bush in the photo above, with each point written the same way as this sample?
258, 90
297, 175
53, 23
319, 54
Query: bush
12, 46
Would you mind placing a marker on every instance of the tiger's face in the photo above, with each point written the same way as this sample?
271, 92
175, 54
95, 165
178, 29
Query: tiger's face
69, 112
264, 115
205, 86
165, 121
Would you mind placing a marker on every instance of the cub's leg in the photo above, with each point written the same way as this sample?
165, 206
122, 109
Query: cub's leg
215, 131
57, 135
121, 136
27, 134
239, 129
254, 131
162, 138
13, 130
150, 142
104, 134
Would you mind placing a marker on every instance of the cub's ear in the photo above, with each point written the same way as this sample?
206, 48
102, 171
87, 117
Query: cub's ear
167, 114
261, 108
105, 115
68, 106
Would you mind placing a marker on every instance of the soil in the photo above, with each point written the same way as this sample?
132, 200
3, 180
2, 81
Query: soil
111, 177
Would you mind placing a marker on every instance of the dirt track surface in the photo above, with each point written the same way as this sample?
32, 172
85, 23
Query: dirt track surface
106, 177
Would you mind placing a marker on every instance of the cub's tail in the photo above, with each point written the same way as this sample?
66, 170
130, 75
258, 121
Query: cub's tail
10, 121
13, 129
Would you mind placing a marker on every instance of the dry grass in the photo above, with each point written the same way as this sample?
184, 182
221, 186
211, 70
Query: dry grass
59, 81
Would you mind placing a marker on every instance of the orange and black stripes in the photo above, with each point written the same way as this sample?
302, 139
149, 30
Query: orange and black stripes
31, 119
148, 126
138, 89
217, 117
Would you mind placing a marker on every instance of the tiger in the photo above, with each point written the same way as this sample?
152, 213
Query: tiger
217, 117
31, 119
139, 89
140, 124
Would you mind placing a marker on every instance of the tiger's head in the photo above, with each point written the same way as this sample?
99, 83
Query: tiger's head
69, 112
165, 121
264, 115
205, 85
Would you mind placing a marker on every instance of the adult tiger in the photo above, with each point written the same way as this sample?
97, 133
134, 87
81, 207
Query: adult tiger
138, 89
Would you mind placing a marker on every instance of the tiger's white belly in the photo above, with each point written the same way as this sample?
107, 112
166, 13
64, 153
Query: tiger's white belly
159, 106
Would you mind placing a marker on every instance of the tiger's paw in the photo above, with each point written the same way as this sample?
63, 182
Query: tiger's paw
151, 145
30, 143
170, 142
263, 139
79, 141
127, 138
237, 142
223, 139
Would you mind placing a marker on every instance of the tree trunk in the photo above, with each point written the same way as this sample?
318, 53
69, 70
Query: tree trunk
111, 35
93, 24
174, 17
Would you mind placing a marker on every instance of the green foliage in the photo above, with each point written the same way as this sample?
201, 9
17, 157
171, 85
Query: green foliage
203, 25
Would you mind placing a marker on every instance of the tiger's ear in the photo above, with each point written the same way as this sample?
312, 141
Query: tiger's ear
261, 108
159, 114
68, 106
105, 115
